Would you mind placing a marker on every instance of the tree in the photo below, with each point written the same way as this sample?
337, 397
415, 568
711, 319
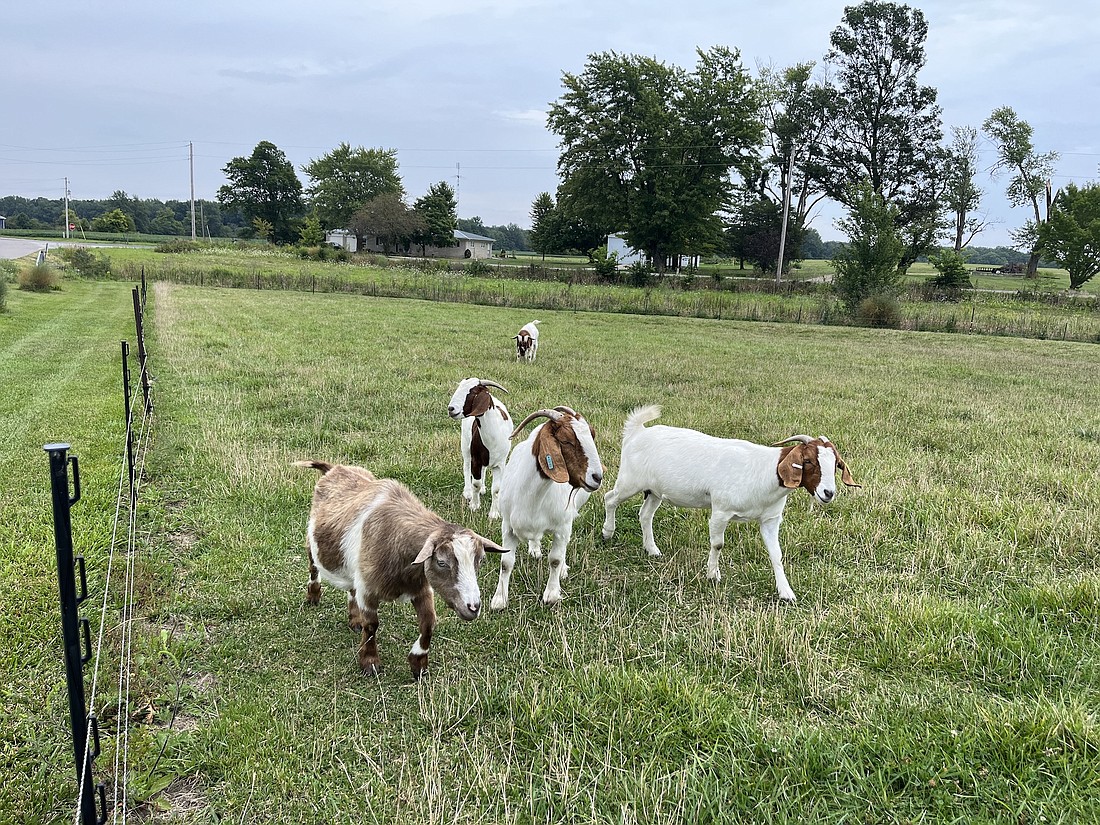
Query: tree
165, 223
543, 237
1031, 173
311, 233
114, 221
794, 113
436, 210
961, 195
754, 234
1070, 237
264, 186
867, 265
884, 127
647, 148
346, 178
389, 219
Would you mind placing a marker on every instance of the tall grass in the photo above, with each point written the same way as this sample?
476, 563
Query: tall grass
939, 666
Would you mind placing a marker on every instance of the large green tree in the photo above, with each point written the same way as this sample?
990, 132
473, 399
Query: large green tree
647, 148
543, 235
1031, 172
346, 178
437, 211
1070, 237
884, 127
867, 265
388, 218
264, 186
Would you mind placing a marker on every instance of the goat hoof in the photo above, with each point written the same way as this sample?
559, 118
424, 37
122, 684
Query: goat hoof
552, 602
787, 598
418, 664
370, 666
496, 605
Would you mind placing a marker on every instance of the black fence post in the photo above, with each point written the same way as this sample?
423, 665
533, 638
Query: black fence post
72, 627
143, 286
142, 359
129, 420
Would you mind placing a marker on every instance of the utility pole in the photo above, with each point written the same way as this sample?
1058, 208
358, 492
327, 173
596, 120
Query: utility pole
458, 185
191, 159
66, 232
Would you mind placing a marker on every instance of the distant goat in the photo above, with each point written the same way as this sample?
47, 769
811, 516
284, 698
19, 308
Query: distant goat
373, 538
737, 480
486, 438
546, 481
527, 342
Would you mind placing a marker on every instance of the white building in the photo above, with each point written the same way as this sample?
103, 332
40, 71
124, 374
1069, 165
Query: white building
468, 245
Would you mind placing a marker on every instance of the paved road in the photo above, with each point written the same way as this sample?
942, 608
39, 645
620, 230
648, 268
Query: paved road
19, 247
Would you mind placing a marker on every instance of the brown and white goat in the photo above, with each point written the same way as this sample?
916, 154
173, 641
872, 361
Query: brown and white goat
527, 342
737, 480
486, 438
373, 538
546, 481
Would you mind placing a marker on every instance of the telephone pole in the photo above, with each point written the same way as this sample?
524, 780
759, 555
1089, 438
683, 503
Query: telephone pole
191, 160
66, 232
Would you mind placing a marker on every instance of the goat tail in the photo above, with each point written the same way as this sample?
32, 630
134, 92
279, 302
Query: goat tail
323, 466
637, 420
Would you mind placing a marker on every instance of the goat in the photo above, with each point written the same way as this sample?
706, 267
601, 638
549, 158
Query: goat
373, 538
737, 480
486, 438
545, 482
527, 342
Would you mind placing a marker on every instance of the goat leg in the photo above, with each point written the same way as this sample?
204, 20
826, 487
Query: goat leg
425, 615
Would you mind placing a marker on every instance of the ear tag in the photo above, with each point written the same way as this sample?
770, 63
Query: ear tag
549, 462
796, 466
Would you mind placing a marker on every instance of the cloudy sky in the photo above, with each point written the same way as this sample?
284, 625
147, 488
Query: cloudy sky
110, 94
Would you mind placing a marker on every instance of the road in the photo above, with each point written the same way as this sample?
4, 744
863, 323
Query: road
19, 247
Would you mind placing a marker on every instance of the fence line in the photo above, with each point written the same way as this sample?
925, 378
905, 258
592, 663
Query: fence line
85, 726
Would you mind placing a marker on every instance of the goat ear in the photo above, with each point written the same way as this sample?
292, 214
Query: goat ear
790, 468
490, 546
548, 454
845, 473
478, 401
426, 551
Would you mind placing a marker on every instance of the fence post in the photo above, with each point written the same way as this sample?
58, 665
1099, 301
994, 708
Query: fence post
142, 359
72, 626
143, 286
129, 421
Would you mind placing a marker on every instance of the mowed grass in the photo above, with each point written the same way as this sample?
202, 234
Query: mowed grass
939, 666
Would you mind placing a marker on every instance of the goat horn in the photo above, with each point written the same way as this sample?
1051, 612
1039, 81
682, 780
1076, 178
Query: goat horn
489, 383
553, 415
805, 439
569, 410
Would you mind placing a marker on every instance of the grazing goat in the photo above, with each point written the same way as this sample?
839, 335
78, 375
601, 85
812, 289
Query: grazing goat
546, 481
527, 342
737, 480
486, 438
373, 538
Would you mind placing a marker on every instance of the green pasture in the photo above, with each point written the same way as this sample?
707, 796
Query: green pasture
940, 664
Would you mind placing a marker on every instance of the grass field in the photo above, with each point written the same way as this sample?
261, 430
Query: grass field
941, 664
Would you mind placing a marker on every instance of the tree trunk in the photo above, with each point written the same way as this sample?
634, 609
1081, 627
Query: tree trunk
1033, 264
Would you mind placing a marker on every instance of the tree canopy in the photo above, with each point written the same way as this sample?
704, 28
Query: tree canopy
436, 210
264, 186
647, 148
346, 178
884, 127
1071, 234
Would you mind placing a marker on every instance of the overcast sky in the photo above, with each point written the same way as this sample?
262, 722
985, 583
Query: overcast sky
110, 93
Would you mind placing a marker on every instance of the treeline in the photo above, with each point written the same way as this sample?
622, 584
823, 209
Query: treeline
145, 216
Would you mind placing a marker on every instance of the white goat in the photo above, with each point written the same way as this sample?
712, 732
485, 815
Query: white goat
373, 538
737, 480
546, 481
527, 342
486, 438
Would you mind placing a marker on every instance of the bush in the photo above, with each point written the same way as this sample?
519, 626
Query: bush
953, 276
177, 245
639, 274
5, 273
478, 268
38, 278
87, 264
880, 311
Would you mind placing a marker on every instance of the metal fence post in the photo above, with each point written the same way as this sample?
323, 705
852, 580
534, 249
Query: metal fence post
143, 360
72, 627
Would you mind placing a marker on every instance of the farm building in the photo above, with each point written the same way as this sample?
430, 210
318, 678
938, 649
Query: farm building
468, 245
629, 255
3, 222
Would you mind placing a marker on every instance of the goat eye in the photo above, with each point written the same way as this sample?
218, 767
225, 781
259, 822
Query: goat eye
442, 563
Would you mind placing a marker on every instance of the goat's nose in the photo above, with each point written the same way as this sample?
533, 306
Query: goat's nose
597, 477
827, 495
474, 607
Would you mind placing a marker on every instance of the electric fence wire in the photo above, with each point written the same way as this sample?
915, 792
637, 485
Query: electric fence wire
127, 611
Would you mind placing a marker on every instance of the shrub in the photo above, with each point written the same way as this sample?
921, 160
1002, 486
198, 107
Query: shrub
880, 311
639, 274
866, 266
177, 245
88, 264
38, 278
4, 274
953, 276
478, 268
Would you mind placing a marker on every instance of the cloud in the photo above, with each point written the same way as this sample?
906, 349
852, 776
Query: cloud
532, 116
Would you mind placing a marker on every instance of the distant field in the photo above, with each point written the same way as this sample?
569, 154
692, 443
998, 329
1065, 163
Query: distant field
941, 664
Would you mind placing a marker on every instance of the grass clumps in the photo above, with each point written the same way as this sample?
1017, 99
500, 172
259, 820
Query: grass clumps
39, 278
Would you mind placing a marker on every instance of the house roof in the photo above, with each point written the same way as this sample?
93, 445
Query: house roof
470, 236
